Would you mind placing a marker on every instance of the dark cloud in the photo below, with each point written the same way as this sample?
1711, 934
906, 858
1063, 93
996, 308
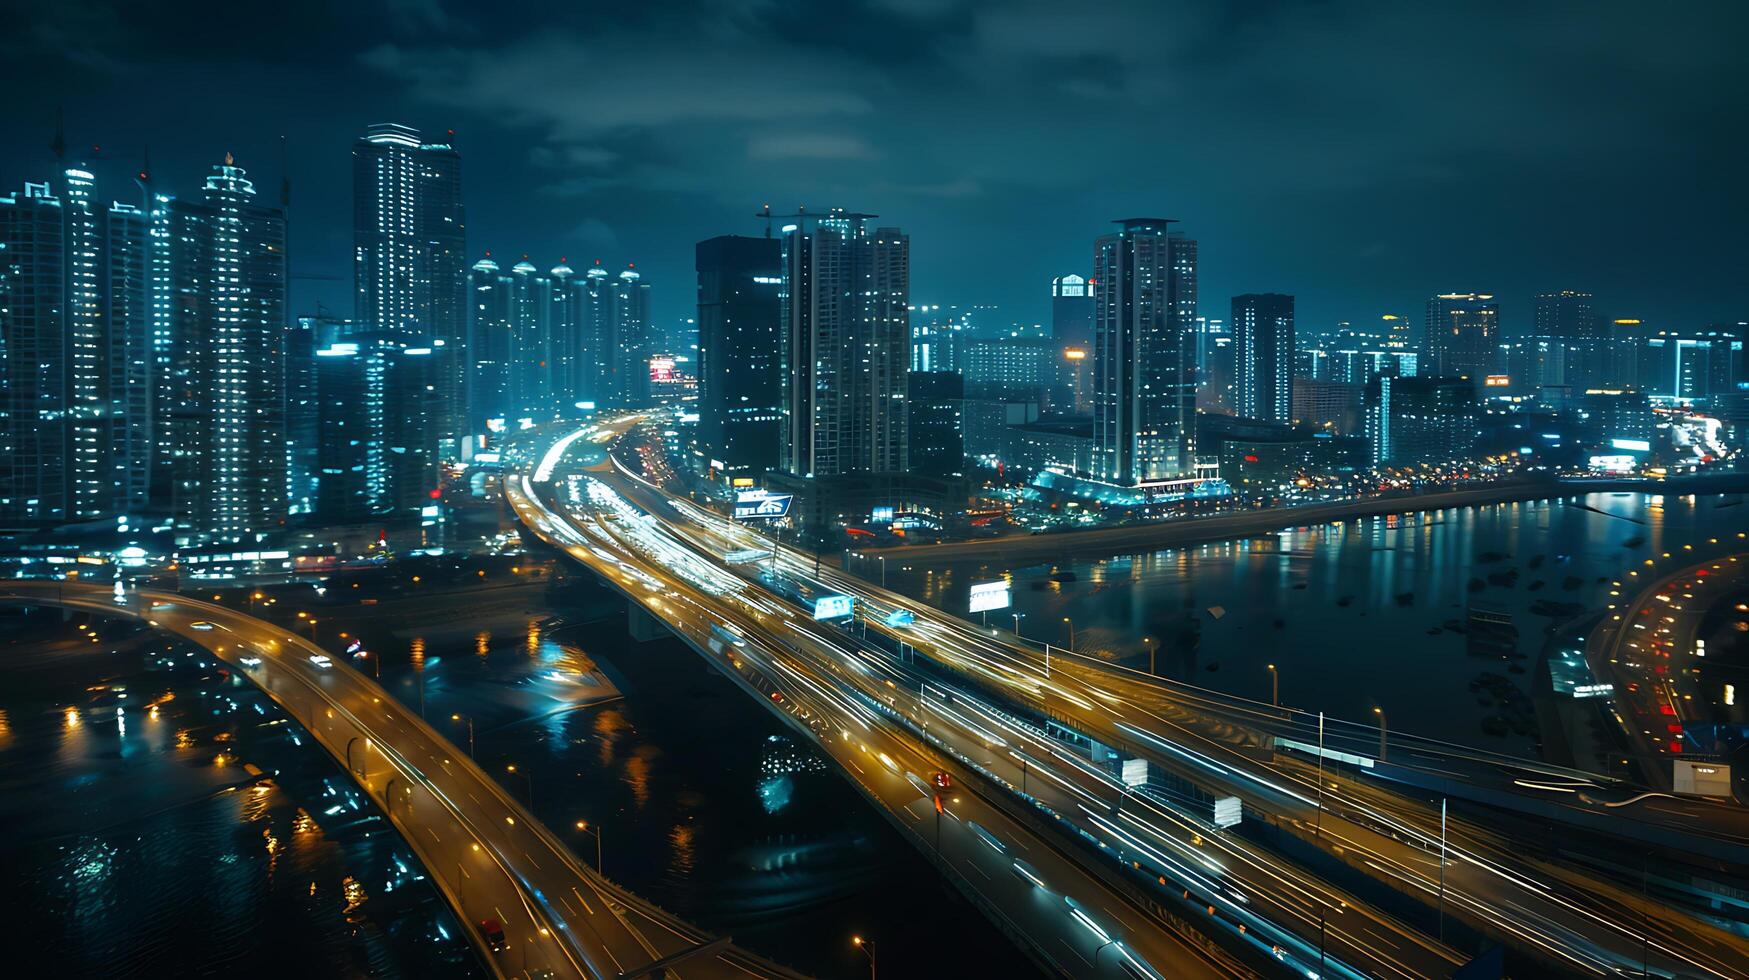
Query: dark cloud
1361, 155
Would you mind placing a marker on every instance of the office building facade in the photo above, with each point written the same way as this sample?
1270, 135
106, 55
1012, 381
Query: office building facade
1145, 278
936, 419
410, 268
846, 309
1263, 353
1462, 336
740, 354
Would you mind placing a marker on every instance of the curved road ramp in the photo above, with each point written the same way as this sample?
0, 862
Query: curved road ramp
490, 859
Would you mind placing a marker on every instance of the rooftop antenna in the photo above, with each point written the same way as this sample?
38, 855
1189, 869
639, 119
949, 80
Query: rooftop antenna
284, 177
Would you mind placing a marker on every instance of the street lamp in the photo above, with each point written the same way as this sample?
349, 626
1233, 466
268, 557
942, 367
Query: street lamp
867, 947
470, 720
1071, 633
1381, 713
1274, 686
1017, 618
883, 559
583, 825
1153, 648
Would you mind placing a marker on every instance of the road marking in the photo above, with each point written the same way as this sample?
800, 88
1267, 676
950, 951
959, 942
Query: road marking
586, 906
1077, 952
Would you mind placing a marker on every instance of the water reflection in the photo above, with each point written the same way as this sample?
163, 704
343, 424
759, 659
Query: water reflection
1357, 613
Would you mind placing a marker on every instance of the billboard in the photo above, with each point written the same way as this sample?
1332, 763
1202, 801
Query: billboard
761, 505
989, 595
834, 607
1135, 772
661, 369
1228, 811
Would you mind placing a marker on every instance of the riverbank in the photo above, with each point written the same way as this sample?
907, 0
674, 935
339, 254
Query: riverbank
1107, 541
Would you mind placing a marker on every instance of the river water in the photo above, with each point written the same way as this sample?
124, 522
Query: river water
1366, 613
136, 842
706, 804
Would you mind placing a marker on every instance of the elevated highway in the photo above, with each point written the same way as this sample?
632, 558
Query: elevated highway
488, 857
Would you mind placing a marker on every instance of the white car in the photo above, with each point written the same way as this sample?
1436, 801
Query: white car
201, 625
321, 660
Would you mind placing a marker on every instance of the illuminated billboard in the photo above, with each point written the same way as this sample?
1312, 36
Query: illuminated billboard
989, 595
761, 505
834, 607
661, 369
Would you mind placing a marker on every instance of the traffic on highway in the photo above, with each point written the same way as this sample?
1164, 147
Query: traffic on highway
1128, 781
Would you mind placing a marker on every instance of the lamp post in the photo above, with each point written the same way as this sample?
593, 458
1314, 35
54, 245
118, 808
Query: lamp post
867, 947
1381, 713
1274, 687
1153, 649
470, 720
1071, 633
1017, 617
583, 825
883, 559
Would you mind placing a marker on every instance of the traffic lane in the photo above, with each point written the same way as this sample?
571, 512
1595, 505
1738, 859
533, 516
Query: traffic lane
286, 682
698, 627
1361, 943
833, 662
838, 583
966, 631
619, 940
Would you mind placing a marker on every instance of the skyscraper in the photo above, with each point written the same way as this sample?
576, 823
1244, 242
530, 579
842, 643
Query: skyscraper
564, 347
627, 345
530, 373
35, 400
410, 243
75, 362
1071, 311
1144, 352
740, 351
1462, 336
1263, 347
1421, 419
936, 406
1571, 333
595, 294
489, 346
1565, 315
846, 299
225, 281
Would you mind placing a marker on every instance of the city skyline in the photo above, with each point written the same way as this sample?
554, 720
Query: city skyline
762, 488
1520, 197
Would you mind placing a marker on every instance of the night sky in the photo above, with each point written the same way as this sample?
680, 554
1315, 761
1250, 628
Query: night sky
1361, 156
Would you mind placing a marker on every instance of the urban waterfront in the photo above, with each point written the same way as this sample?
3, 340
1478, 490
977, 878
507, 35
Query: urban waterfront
164, 818
1355, 615
704, 803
